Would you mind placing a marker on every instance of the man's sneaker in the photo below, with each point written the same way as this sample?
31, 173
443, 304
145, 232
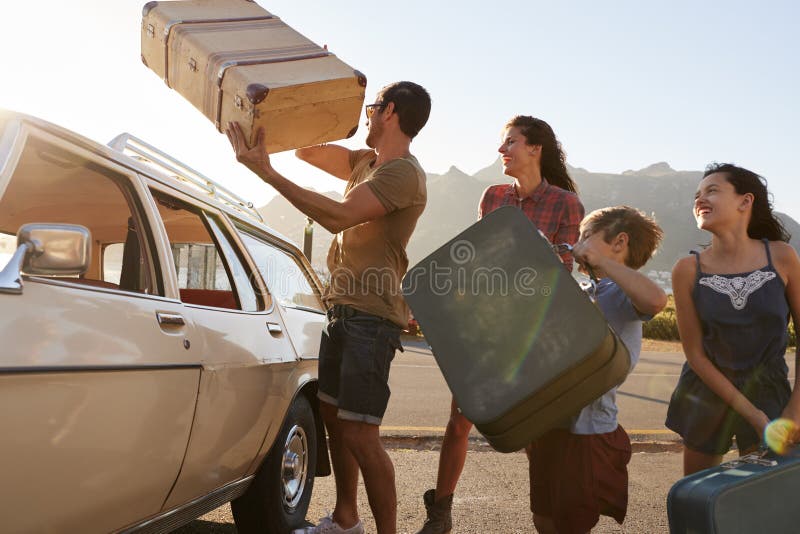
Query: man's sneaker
328, 526
440, 520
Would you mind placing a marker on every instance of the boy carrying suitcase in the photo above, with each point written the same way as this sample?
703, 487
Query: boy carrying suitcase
580, 472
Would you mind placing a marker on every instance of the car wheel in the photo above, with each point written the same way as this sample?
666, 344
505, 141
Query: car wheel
277, 500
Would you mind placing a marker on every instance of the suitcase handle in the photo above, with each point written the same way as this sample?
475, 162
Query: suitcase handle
568, 248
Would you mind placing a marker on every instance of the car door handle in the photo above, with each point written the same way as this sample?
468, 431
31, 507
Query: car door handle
170, 319
274, 328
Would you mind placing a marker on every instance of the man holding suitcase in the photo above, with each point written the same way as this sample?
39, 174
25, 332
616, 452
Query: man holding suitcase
384, 197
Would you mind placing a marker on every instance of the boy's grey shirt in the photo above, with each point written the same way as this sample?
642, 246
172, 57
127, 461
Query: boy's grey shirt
600, 416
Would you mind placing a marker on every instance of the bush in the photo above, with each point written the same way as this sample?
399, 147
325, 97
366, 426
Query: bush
663, 326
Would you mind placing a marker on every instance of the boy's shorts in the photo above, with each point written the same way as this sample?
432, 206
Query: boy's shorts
576, 478
355, 354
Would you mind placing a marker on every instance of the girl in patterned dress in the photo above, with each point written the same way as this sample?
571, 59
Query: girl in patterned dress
733, 302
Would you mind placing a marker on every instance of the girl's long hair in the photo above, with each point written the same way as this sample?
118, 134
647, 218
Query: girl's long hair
763, 223
538, 132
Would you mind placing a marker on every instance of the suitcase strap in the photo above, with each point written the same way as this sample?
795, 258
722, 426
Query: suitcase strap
184, 27
171, 24
220, 62
177, 37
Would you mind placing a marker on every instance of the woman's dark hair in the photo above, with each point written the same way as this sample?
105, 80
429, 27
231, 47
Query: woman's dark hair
538, 132
412, 103
763, 223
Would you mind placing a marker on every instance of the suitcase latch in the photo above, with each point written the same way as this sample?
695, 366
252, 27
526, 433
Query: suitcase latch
237, 101
192, 64
756, 458
151, 31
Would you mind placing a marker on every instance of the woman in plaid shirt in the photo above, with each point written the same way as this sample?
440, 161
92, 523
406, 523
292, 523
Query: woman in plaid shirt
544, 191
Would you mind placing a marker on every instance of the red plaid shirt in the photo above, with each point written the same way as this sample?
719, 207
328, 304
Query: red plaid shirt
555, 211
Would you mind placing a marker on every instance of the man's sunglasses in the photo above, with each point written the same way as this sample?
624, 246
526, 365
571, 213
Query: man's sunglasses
370, 109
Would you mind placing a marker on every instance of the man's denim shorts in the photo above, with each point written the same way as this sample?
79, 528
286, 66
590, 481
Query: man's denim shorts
355, 354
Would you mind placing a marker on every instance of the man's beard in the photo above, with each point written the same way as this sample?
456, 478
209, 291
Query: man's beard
372, 135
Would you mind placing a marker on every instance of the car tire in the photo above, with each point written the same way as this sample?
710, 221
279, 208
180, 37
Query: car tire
277, 500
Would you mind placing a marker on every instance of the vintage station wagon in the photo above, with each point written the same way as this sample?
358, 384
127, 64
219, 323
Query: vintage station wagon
159, 344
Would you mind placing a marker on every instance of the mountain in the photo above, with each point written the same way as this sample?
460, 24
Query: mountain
664, 193
661, 168
452, 206
453, 199
286, 219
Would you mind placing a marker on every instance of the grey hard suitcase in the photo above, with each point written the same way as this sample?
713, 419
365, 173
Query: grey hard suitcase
520, 344
754, 493
235, 61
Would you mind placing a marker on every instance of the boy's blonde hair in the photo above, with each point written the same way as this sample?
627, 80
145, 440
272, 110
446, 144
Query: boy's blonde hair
644, 234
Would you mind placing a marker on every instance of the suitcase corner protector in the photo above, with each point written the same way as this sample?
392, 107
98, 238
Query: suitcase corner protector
362, 79
256, 93
148, 7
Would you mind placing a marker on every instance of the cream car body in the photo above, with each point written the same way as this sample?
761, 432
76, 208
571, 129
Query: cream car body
151, 387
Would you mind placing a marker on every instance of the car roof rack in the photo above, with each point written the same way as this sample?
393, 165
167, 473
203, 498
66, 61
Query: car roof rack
136, 148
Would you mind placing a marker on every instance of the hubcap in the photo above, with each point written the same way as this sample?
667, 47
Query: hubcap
294, 466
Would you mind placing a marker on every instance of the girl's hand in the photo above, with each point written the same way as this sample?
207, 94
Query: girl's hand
781, 435
792, 422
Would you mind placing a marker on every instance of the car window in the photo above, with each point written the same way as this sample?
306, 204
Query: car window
286, 279
8, 243
247, 294
51, 184
207, 275
112, 262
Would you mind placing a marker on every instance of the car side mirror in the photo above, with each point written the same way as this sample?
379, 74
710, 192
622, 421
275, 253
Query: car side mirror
47, 249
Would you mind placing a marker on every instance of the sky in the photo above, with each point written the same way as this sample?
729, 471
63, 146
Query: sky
624, 84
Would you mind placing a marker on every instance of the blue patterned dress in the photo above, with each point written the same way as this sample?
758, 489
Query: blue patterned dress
744, 319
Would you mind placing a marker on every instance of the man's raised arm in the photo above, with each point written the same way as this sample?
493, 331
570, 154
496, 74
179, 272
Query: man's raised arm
359, 205
333, 159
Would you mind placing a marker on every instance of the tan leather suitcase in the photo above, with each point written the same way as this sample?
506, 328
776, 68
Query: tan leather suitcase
235, 61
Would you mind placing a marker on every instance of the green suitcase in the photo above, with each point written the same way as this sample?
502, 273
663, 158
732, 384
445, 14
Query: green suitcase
520, 344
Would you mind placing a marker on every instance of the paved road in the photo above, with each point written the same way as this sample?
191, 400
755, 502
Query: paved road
420, 401
492, 496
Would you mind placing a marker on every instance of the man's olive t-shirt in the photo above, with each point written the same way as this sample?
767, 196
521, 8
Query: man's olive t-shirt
368, 261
